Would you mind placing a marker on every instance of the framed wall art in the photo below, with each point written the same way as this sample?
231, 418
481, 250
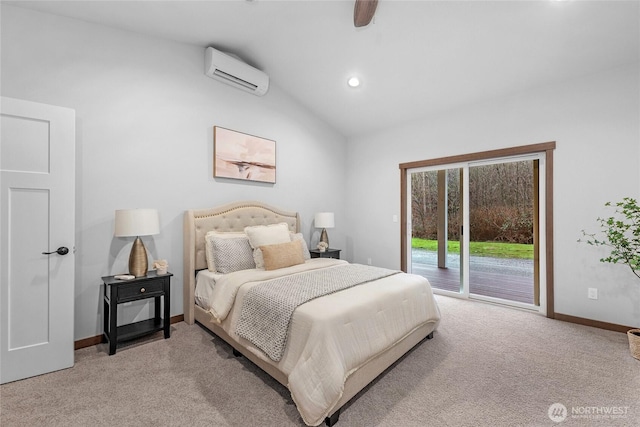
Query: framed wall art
237, 155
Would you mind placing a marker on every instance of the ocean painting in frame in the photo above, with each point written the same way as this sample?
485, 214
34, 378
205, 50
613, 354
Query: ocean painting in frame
240, 156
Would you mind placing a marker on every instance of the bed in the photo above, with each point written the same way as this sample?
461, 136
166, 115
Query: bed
335, 344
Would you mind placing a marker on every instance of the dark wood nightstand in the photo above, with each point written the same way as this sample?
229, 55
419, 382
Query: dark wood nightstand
329, 253
118, 291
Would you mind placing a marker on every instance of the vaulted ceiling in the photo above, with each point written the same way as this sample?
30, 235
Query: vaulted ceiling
416, 58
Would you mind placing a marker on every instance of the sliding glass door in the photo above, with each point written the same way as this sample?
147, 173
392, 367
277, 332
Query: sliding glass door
501, 230
498, 202
436, 218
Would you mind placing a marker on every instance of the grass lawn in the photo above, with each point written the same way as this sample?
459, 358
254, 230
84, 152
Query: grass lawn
492, 249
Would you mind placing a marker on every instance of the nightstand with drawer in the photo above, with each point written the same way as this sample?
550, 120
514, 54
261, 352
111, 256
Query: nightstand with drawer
329, 253
118, 291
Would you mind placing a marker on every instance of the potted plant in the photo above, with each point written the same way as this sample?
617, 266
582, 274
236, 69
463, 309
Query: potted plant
621, 233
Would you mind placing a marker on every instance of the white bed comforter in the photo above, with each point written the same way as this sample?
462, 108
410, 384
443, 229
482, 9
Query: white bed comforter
329, 337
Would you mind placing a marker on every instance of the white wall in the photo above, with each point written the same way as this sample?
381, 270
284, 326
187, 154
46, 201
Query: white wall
595, 122
145, 113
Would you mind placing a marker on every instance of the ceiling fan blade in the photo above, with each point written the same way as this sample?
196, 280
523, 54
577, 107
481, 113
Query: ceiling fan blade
363, 12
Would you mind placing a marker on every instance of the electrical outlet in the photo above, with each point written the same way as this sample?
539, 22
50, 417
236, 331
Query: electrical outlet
369, 261
592, 293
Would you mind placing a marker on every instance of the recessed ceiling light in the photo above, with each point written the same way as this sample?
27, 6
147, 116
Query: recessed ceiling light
353, 82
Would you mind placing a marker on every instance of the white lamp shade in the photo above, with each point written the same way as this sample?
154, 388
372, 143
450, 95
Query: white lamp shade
137, 222
324, 220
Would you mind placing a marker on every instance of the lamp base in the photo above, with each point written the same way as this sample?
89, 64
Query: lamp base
324, 237
138, 261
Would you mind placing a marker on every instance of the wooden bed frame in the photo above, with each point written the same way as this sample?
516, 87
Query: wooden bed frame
234, 217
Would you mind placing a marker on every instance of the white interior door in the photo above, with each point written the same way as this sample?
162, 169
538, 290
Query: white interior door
37, 214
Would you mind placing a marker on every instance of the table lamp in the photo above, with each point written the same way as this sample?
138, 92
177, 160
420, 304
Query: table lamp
324, 220
137, 222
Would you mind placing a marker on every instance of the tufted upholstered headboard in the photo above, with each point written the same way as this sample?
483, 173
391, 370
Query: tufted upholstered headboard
231, 217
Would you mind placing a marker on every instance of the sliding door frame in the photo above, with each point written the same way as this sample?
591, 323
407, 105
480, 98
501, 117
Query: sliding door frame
545, 148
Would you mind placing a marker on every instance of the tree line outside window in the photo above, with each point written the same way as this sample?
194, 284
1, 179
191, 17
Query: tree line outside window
500, 203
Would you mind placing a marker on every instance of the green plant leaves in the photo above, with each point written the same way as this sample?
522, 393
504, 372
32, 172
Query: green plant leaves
621, 233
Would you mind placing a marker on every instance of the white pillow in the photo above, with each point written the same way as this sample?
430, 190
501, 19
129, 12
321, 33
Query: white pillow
262, 235
208, 243
305, 248
258, 258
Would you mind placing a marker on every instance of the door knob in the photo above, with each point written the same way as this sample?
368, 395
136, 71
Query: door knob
62, 250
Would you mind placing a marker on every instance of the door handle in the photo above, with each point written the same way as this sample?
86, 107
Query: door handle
62, 250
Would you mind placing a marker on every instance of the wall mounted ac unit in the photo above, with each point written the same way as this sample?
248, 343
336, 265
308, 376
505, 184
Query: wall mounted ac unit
234, 72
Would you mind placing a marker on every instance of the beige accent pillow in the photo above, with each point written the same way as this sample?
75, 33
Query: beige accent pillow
261, 235
282, 255
208, 245
259, 259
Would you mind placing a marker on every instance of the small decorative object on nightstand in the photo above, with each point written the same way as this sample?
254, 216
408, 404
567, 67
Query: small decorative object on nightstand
118, 291
161, 266
327, 253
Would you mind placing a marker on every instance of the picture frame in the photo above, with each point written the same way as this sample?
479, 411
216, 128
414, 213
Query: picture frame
238, 155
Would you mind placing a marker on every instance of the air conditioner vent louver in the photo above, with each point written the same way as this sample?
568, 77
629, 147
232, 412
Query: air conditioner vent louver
234, 79
234, 72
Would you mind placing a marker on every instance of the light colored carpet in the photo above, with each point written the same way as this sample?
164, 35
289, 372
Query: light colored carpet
486, 366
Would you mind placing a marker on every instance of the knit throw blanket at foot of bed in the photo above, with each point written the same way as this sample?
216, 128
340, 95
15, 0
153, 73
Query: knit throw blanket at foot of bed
267, 308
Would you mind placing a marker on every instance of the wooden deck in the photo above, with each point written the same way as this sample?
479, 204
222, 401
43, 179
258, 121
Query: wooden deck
496, 285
